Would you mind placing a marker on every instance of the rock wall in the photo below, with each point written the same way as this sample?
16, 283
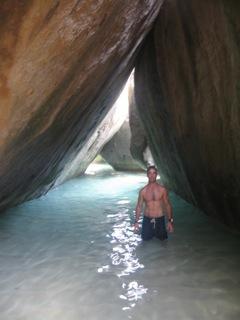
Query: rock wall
62, 65
104, 132
187, 89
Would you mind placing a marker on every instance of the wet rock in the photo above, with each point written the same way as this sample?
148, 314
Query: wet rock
187, 90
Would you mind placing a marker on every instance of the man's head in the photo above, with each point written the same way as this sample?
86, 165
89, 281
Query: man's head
152, 173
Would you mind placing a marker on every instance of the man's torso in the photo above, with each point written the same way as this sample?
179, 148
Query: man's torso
153, 196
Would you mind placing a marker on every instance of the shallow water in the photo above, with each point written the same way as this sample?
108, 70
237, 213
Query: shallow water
72, 254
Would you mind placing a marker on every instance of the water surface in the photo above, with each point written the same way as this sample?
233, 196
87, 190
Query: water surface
72, 254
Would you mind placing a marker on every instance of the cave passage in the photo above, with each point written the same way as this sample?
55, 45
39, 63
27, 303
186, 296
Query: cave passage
72, 254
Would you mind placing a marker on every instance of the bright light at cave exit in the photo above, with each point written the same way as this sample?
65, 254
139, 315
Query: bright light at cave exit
122, 103
120, 115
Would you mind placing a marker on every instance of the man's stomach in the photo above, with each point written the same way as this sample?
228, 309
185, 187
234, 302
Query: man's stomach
153, 209
154, 213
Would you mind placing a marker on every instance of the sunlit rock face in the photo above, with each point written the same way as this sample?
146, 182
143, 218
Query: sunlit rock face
128, 149
187, 89
117, 151
139, 148
62, 65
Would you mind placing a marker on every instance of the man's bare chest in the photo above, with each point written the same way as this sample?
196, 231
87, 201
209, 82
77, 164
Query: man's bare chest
153, 195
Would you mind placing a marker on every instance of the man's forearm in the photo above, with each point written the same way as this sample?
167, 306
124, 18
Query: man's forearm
169, 212
137, 215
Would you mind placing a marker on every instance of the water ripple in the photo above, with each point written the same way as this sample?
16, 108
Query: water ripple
123, 256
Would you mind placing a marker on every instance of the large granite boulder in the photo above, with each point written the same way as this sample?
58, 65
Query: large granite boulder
187, 90
62, 65
117, 151
139, 147
128, 149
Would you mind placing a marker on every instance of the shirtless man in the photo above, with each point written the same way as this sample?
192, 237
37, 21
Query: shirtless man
155, 198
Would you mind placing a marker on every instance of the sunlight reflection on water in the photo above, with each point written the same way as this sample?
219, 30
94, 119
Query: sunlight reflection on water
123, 256
72, 254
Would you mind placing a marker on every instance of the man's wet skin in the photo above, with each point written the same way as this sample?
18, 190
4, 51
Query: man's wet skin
154, 197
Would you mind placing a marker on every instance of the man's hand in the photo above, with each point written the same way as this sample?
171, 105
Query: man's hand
136, 227
169, 227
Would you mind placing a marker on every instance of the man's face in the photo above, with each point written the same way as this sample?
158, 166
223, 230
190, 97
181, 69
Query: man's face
152, 175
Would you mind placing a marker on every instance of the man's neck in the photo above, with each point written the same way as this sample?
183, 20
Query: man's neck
152, 183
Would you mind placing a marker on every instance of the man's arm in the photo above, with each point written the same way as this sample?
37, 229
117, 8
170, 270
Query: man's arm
169, 210
138, 209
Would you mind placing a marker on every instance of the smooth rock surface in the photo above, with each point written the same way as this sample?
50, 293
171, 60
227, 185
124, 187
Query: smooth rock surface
62, 63
117, 151
128, 149
187, 77
139, 147
111, 124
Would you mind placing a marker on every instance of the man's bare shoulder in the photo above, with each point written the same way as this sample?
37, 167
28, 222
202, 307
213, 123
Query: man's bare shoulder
142, 191
162, 188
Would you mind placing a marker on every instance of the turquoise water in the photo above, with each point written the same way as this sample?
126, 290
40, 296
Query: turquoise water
72, 254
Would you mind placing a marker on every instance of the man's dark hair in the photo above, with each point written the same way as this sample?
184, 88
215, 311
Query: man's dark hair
152, 167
